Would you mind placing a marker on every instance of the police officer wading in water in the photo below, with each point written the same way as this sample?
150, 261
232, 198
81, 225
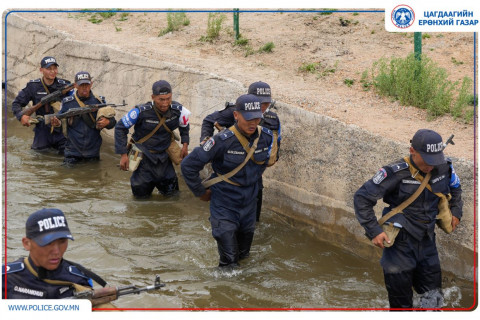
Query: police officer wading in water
44, 274
45, 136
412, 260
239, 156
153, 124
224, 118
83, 131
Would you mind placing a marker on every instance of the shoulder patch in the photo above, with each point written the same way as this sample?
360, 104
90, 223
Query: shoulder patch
176, 106
68, 99
14, 267
267, 131
225, 134
379, 176
102, 99
208, 144
35, 80
63, 81
144, 107
398, 166
75, 271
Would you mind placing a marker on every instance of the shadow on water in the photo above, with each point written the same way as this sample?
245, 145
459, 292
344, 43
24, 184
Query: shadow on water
128, 241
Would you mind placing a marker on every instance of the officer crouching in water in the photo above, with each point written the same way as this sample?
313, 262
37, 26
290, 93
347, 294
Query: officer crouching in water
44, 274
239, 156
411, 259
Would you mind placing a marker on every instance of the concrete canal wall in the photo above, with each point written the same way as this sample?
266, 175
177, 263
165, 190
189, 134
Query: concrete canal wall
323, 161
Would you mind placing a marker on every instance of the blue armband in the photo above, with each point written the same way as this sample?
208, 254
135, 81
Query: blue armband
454, 180
131, 118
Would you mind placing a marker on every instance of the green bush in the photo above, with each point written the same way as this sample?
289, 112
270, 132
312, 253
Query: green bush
268, 47
420, 83
318, 69
214, 25
175, 20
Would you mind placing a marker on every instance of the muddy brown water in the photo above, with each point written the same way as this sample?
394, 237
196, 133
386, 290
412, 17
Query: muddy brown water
127, 241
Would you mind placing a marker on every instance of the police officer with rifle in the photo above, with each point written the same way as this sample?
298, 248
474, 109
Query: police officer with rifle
83, 131
45, 274
224, 119
45, 93
421, 190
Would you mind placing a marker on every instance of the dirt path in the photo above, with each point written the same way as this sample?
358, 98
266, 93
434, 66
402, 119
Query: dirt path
299, 38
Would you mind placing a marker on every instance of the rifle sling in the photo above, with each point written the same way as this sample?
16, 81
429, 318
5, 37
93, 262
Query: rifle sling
407, 202
160, 123
76, 286
420, 178
47, 105
89, 273
230, 174
244, 142
82, 105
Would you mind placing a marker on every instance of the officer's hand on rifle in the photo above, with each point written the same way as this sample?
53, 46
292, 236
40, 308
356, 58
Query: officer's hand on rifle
55, 122
102, 122
124, 162
25, 120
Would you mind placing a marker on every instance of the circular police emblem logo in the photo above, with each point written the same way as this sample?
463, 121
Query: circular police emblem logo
403, 16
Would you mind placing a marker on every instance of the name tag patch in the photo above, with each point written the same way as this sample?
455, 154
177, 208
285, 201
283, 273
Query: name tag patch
410, 181
235, 152
29, 291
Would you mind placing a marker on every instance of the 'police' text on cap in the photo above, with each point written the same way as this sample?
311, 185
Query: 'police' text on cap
261, 90
83, 77
47, 225
429, 145
249, 106
48, 61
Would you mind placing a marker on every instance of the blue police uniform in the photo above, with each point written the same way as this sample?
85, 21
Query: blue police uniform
34, 91
225, 118
22, 284
84, 139
232, 211
156, 168
413, 260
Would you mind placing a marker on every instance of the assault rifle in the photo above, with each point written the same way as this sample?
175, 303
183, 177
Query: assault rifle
271, 106
78, 111
107, 294
449, 140
54, 96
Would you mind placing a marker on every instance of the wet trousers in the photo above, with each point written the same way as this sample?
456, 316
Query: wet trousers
45, 139
233, 228
412, 263
149, 176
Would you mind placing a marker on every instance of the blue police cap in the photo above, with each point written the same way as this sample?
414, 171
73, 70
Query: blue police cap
161, 87
48, 61
83, 77
429, 145
47, 225
261, 90
249, 106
